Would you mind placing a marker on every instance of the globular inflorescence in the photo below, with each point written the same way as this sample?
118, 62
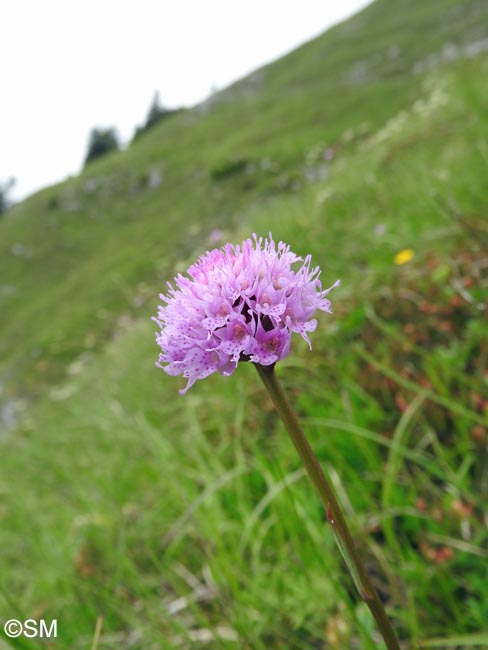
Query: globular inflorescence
239, 303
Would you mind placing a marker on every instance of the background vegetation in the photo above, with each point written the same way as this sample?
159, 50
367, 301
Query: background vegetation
183, 522
5, 189
100, 143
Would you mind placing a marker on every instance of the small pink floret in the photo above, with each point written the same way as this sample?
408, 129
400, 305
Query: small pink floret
239, 303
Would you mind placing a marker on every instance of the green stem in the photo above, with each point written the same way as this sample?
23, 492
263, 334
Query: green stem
342, 533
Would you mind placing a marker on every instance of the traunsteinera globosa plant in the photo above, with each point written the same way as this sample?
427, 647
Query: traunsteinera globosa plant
242, 303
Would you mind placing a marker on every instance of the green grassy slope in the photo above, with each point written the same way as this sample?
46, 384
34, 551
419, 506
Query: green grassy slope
187, 520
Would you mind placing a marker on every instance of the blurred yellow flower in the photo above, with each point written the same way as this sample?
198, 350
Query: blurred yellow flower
403, 256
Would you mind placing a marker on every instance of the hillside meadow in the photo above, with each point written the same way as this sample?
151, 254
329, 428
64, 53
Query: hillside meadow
142, 519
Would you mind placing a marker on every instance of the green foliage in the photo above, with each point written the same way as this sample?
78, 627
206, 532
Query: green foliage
5, 188
100, 143
188, 520
228, 169
156, 113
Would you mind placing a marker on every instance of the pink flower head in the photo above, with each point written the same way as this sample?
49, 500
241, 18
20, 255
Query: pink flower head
240, 303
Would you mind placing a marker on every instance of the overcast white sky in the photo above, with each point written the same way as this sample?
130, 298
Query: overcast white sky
70, 65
